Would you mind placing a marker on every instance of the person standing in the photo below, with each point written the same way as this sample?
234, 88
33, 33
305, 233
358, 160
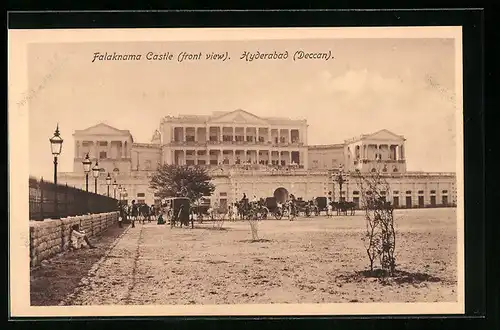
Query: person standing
121, 215
135, 212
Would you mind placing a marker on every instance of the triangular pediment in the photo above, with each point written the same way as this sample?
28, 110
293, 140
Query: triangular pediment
102, 129
239, 117
384, 135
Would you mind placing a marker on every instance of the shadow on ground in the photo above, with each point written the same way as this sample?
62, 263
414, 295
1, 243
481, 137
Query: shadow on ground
398, 277
255, 240
58, 277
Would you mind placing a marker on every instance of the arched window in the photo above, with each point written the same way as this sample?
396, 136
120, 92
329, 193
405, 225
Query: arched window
116, 170
374, 170
395, 169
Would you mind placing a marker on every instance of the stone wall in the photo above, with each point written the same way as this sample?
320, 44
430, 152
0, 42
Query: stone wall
50, 237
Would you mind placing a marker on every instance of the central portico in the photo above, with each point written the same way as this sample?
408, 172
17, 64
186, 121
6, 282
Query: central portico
232, 138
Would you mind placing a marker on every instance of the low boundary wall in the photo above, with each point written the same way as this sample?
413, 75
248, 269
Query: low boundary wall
52, 236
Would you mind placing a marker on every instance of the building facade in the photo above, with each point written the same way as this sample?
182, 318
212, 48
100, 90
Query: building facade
257, 156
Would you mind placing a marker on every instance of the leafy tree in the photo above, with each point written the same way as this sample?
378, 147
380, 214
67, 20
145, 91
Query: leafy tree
380, 237
188, 181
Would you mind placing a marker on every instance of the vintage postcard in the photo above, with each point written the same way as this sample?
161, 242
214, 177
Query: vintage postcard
296, 171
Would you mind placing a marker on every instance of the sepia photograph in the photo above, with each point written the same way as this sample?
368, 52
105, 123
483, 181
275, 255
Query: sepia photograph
314, 171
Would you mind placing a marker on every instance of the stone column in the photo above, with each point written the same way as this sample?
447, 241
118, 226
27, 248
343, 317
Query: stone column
269, 134
245, 134
257, 158
305, 160
220, 133
184, 131
77, 150
234, 134
196, 134
108, 152
289, 157
279, 154
402, 152
279, 136
289, 136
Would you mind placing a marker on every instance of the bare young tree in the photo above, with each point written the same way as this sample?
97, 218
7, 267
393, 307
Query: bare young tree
380, 236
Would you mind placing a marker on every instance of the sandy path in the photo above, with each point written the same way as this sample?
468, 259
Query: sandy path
311, 260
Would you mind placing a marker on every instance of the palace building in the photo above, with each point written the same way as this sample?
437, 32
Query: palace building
258, 156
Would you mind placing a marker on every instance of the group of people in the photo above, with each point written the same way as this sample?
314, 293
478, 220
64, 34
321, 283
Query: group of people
137, 212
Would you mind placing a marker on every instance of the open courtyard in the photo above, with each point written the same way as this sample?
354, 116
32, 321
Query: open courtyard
310, 260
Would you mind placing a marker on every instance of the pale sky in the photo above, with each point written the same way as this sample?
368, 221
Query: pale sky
403, 85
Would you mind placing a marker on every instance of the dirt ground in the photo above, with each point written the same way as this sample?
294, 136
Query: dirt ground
309, 260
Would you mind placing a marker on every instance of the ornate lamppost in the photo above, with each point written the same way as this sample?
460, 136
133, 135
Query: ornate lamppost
114, 188
87, 164
56, 146
340, 180
108, 182
95, 172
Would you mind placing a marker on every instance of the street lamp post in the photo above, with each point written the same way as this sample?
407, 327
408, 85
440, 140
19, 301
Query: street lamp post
95, 172
340, 179
114, 188
86, 168
108, 182
56, 146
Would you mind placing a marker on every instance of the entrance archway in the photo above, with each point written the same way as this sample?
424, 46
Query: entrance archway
281, 195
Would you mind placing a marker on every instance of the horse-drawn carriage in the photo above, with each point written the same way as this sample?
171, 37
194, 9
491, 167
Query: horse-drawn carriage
178, 210
321, 204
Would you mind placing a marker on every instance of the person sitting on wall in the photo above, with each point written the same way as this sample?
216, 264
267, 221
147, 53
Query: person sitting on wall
79, 238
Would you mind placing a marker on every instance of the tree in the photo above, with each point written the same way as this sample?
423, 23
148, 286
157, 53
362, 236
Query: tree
192, 182
380, 236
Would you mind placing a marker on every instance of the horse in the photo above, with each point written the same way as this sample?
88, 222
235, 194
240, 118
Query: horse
343, 207
144, 213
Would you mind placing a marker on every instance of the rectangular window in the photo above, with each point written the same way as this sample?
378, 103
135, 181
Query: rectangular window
421, 201
141, 195
445, 200
190, 138
395, 201
213, 162
102, 155
408, 201
249, 138
223, 194
189, 161
103, 143
433, 200
201, 162
356, 201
